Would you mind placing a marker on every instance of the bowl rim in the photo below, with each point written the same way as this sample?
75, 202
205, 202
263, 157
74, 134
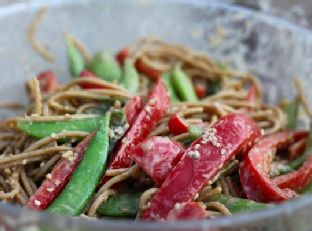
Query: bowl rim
238, 219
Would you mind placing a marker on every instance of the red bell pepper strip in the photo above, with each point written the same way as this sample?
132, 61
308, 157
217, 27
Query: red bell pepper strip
295, 150
48, 81
89, 74
202, 161
59, 177
144, 69
298, 179
177, 125
254, 172
187, 211
252, 93
200, 89
122, 55
133, 108
157, 156
155, 108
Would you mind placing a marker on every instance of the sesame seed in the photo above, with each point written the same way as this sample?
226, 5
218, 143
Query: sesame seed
68, 154
148, 109
111, 133
262, 131
49, 176
38, 203
57, 182
194, 154
196, 146
223, 151
42, 164
24, 162
53, 135
7, 170
153, 101
50, 189
178, 206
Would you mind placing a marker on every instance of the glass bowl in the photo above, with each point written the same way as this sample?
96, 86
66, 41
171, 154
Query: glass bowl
269, 47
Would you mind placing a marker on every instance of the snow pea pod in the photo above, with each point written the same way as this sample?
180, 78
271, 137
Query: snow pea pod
79, 190
75, 59
41, 129
173, 95
237, 205
105, 66
291, 110
130, 77
121, 205
183, 85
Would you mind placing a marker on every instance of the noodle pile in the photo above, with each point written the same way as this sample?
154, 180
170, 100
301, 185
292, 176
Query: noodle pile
25, 161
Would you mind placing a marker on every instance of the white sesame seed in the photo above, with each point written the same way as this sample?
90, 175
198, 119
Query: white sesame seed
148, 109
111, 133
262, 131
42, 164
37, 203
153, 101
223, 151
50, 189
57, 182
24, 162
178, 206
49, 176
196, 146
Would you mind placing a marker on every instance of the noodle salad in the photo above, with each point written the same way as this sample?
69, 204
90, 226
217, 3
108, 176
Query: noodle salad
159, 132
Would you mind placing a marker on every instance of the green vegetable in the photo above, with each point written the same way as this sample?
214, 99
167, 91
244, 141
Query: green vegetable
130, 77
40, 129
117, 127
105, 66
237, 205
291, 110
173, 95
222, 66
103, 107
79, 190
121, 205
75, 59
194, 133
183, 85
308, 151
214, 86
280, 169
307, 189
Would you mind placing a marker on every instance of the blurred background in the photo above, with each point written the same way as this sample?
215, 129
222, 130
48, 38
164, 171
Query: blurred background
297, 11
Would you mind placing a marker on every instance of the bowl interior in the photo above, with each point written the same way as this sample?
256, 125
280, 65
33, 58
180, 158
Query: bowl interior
273, 49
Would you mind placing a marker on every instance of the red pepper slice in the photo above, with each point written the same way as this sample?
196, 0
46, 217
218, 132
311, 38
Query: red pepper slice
252, 93
202, 161
254, 172
88, 74
296, 180
295, 150
144, 69
200, 89
155, 108
133, 108
177, 125
122, 55
157, 156
60, 176
187, 211
48, 81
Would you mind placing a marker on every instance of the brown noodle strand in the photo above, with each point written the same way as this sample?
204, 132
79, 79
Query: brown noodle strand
32, 36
